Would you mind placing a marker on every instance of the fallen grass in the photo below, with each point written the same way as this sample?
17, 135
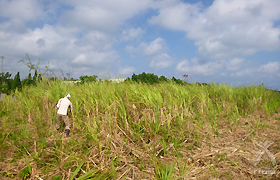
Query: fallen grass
137, 131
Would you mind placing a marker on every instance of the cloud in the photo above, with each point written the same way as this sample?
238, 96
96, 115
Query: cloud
33, 40
16, 14
154, 51
130, 49
132, 33
93, 59
195, 68
235, 64
23, 10
63, 49
106, 15
82, 36
236, 68
161, 61
69, 34
270, 68
175, 15
263, 72
126, 71
152, 48
226, 29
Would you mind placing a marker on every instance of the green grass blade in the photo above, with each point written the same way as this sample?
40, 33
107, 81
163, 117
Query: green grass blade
77, 170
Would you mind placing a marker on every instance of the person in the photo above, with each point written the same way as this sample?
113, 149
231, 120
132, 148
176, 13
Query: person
62, 113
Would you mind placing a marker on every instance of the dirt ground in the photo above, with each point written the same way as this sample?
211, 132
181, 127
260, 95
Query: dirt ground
233, 154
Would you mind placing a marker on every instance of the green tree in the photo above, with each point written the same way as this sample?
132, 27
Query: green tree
6, 83
53, 78
35, 77
40, 77
28, 81
134, 78
163, 79
88, 78
178, 81
16, 83
148, 78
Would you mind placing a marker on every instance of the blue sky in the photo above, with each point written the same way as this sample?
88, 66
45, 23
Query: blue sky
223, 41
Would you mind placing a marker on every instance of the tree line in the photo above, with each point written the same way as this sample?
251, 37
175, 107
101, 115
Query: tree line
150, 78
9, 84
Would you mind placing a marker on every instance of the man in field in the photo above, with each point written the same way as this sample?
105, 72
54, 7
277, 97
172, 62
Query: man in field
62, 113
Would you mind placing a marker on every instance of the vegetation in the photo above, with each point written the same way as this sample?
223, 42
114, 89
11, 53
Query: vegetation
136, 130
9, 85
88, 78
150, 78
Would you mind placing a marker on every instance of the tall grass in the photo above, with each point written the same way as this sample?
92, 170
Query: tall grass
115, 124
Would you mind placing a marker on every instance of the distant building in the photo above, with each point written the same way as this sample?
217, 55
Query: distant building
70, 82
117, 80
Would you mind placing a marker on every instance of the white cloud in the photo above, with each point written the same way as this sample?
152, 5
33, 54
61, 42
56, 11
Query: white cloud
131, 34
154, 47
155, 51
235, 64
17, 13
95, 59
130, 49
105, 15
126, 71
74, 35
80, 59
20, 9
270, 67
264, 71
193, 67
175, 15
95, 41
63, 49
226, 29
81, 35
40, 40
161, 61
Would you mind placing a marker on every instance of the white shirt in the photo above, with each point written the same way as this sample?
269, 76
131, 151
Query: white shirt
63, 105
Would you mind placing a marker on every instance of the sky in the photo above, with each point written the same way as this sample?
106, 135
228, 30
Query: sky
234, 42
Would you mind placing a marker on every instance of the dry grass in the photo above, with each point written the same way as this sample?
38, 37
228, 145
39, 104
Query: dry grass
123, 133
